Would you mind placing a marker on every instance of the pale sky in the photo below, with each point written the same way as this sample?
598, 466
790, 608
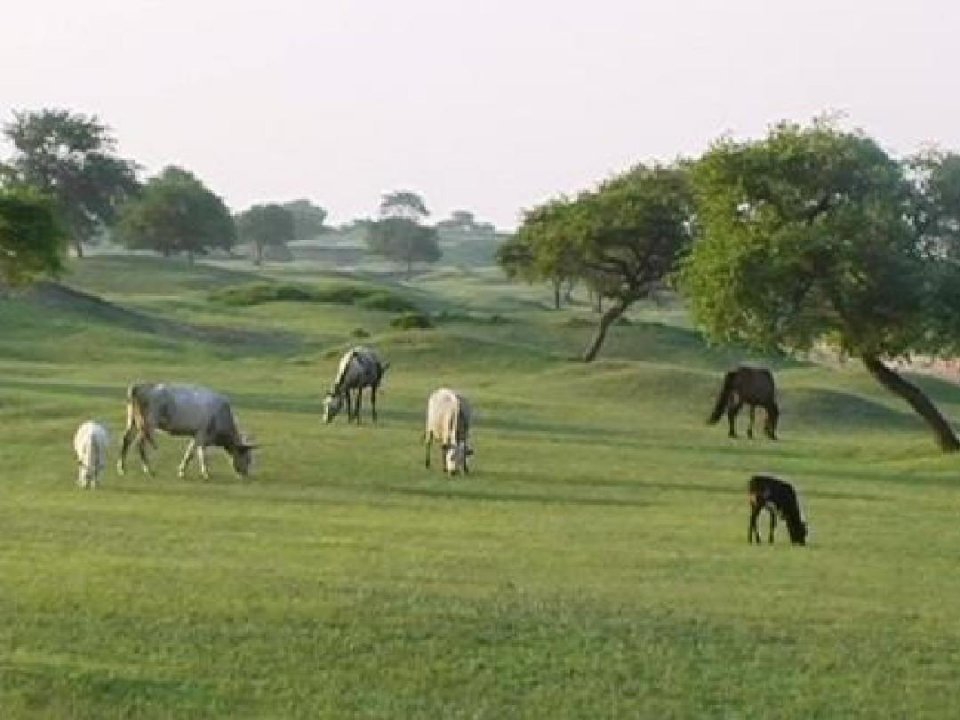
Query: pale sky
491, 106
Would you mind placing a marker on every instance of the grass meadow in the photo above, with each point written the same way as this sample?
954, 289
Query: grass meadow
593, 565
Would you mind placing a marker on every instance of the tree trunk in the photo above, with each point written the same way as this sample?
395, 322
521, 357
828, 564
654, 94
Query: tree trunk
556, 294
599, 305
914, 396
78, 248
258, 253
606, 320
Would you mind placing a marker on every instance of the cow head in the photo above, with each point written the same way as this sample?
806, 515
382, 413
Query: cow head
332, 405
242, 456
455, 457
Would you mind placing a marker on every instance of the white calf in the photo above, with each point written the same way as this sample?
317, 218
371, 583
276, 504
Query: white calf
90, 444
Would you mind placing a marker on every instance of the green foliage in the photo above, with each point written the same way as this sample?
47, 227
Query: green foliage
411, 321
403, 204
264, 225
176, 213
308, 219
806, 236
362, 296
72, 158
32, 241
382, 300
404, 241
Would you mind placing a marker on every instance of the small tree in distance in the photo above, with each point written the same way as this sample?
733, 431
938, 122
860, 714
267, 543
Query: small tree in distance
264, 225
176, 213
404, 241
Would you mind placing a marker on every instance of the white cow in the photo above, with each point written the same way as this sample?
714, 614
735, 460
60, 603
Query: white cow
448, 420
184, 410
90, 443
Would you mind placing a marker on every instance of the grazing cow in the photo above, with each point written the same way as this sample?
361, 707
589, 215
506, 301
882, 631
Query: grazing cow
187, 411
778, 498
448, 420
359, 368
90, 443
753, 386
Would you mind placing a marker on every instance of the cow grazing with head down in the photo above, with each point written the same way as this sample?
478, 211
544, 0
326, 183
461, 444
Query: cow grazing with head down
448, 420
190, 411
777, 497
90, 443
359, 368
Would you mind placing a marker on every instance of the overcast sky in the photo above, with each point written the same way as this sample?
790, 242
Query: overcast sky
491, 106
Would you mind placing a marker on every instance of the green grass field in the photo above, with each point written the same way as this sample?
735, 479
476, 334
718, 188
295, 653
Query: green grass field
593, 565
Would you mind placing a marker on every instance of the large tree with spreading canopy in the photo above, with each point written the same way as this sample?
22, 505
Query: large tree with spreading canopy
815, 235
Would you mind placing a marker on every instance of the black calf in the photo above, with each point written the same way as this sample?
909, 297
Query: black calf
779, 498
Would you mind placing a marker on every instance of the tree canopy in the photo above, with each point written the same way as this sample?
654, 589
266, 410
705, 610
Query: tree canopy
816, 235
32, 240
404, 241
72, 158
308, 219
624, 238
176, 213
266, 225
403, 204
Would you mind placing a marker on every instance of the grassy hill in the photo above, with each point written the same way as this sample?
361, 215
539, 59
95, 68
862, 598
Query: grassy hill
594, 564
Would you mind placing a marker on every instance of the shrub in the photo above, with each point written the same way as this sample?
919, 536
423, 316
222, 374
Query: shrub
359, 333
411, 320
380, 300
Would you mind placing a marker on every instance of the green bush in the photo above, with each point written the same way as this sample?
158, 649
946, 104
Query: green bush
359, 333
411, 320
369, 298
381, 300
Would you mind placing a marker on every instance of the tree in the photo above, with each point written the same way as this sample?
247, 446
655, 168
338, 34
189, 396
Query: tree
815, 235
71, 157
265, 225
544, 247
308, 219
623, 238
403, 240
176, 213
32, 241
403, 204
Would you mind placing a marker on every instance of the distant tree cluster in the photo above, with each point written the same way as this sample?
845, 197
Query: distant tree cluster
65, 164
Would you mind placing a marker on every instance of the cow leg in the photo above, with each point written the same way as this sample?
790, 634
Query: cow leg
753, 411
359, 403
187, 457
773, 523
142, 449
732, 417
202, 459
752, 531
373, 403
124, 447
427, 442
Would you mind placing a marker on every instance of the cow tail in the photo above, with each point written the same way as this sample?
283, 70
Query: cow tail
135, 413
722, 399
